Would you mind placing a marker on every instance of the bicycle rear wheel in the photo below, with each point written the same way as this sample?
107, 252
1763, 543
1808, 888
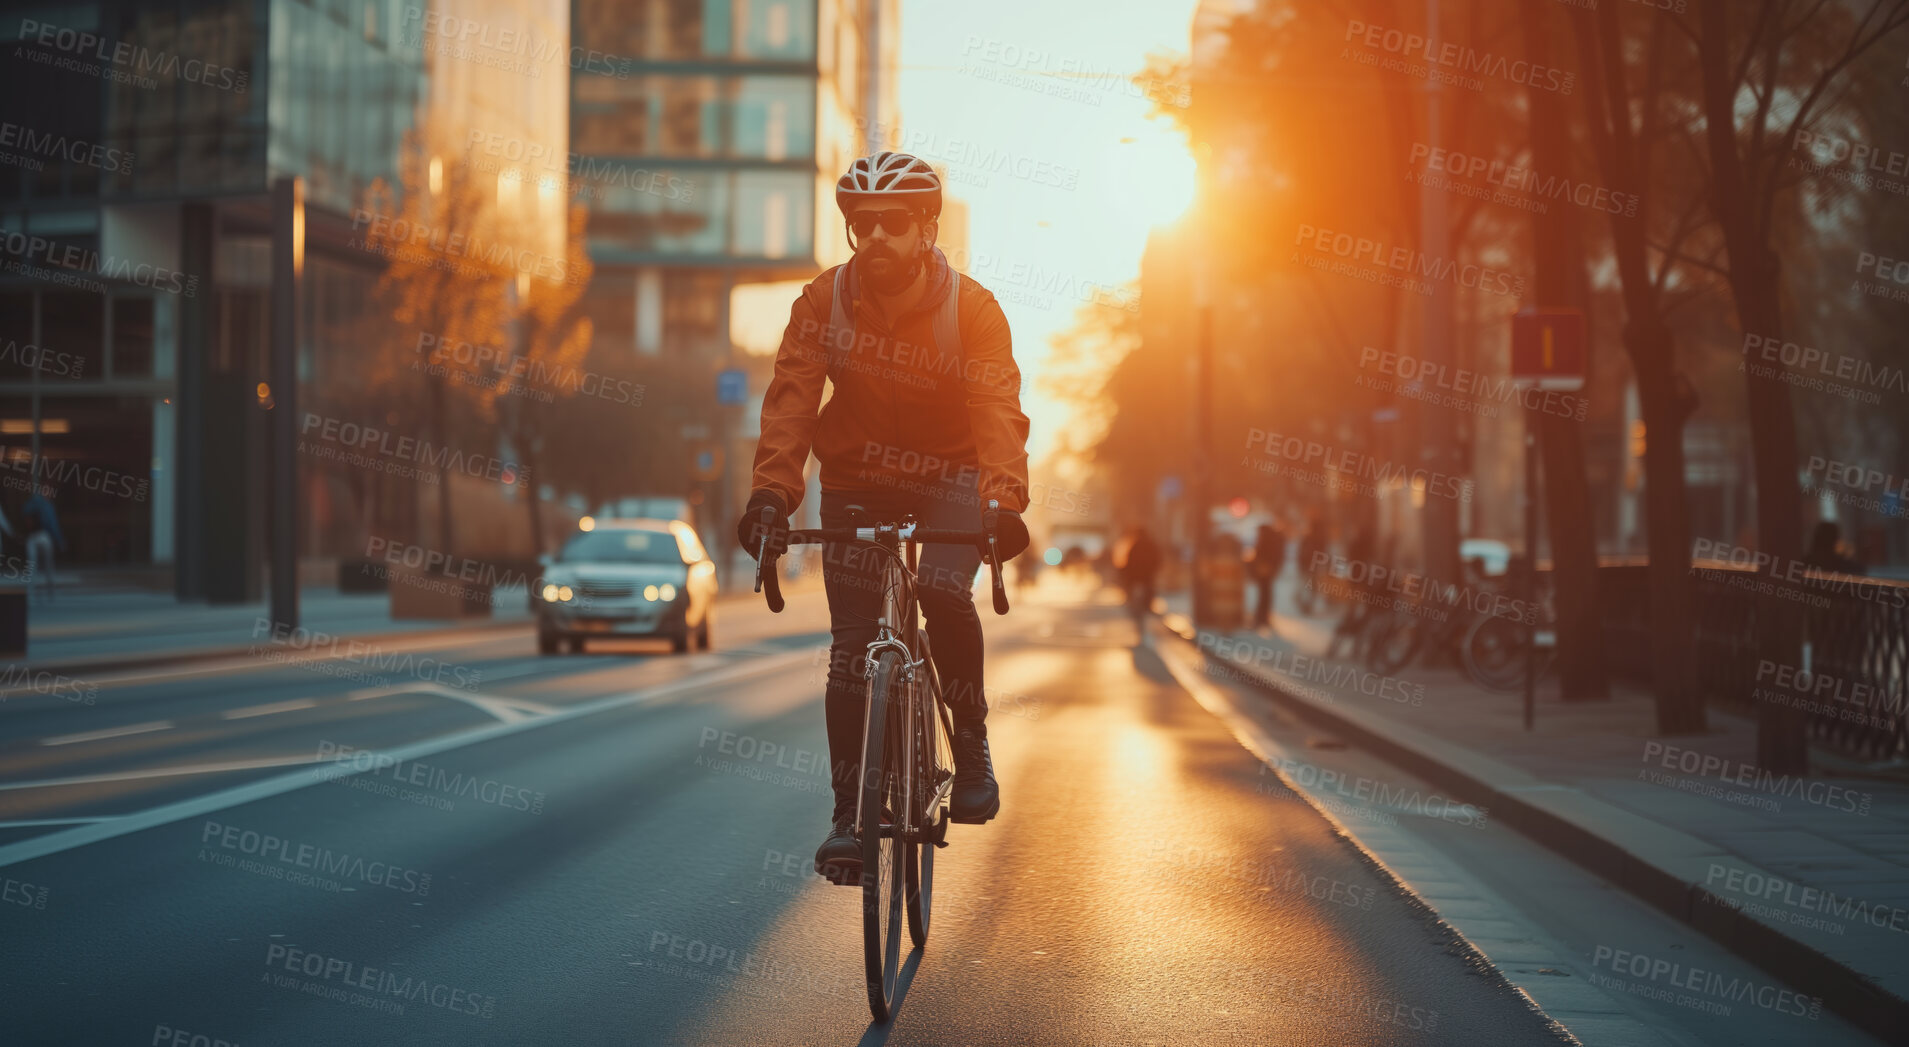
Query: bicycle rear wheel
1495, 653
886, 775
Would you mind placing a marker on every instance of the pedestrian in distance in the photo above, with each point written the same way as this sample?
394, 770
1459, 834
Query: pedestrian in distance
1137, 563
42, 523
1268, 558
1825, 552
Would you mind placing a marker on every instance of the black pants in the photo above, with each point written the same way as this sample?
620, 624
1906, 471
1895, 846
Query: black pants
852, 574
1263, 605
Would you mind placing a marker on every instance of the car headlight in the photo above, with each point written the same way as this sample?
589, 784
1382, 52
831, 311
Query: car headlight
550, 593
668, 591
563, 592
650, 593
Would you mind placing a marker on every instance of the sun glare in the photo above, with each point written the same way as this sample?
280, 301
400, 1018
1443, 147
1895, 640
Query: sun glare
1151, 178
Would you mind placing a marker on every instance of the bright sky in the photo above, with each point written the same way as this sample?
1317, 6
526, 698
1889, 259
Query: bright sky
1028, 106
1009, 85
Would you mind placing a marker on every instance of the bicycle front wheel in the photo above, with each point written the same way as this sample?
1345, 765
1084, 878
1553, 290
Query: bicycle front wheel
1394, 642
885, 779
933, 760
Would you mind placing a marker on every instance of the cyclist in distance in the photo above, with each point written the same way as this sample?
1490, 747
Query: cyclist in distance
925, 420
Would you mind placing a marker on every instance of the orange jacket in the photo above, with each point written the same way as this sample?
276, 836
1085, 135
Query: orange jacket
905, 410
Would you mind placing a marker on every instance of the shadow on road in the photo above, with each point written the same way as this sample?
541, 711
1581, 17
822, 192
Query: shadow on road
877, 1032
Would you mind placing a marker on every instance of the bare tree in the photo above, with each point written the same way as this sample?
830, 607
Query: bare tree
1769, 69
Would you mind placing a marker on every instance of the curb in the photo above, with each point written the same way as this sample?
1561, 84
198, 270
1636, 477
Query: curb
1849, 993
201, 654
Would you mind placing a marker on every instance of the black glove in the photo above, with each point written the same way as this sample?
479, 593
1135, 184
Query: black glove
750, 529
1009, 531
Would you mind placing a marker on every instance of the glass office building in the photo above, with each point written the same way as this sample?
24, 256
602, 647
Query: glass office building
709, 145
138, 145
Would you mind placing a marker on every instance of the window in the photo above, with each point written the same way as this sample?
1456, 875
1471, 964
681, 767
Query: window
775, 117
609, 302
644, 210
775, 212
693, 303
132, 337
16, 334
691, 124
777, 29
74, 323
618, 546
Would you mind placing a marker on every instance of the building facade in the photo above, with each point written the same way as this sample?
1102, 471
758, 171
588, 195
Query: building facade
709, 159
138, 145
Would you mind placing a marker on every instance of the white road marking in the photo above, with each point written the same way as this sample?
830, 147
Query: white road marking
81, 835
507, 710
110, 732
268, 709
250, 662
162, 772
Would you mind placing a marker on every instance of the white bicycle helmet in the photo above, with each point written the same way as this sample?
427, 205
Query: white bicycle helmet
890, 177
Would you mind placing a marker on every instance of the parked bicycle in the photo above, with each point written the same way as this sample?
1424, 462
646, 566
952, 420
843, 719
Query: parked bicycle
1494, 649
907, 777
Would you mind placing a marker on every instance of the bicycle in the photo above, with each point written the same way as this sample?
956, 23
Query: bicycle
1495, 648
901, 815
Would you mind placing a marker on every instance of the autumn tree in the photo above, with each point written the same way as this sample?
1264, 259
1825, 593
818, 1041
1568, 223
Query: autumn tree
448, 268
550, 338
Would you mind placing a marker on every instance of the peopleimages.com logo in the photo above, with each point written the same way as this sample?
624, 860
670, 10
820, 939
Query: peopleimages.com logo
64, 260
383, 990
60, 147
124, 61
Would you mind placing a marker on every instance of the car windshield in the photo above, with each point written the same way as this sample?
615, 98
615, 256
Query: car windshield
621, 547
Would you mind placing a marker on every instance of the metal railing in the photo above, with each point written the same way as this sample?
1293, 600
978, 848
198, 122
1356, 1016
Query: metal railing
1854, 680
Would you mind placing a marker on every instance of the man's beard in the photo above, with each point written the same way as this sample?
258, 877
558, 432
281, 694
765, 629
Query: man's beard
898, 276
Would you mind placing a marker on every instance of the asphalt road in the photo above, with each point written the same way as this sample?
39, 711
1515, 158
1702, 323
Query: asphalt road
614, 848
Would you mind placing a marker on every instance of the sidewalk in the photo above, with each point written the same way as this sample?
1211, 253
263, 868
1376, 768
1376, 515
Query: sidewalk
94, 627
1807, 877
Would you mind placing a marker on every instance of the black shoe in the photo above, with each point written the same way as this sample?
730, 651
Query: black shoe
839, 859
977, 797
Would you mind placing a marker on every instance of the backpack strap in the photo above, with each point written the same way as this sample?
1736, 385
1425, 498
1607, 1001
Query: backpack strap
840, 336
948, 318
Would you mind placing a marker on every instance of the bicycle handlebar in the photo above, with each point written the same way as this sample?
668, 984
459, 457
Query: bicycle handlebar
770, 584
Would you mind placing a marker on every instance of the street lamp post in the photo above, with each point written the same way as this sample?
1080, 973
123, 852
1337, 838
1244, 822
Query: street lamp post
1202, 500
288, 266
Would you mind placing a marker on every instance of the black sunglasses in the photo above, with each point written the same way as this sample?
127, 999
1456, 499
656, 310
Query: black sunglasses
893, 222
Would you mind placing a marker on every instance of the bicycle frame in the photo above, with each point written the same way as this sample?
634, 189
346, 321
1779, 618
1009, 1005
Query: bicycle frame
899, 665
899, 629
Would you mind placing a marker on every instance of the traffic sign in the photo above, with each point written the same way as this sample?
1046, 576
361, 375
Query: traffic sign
1548, 348
707, 463
732, 387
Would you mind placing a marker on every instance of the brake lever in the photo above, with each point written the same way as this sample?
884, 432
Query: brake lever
994, 557
766, 577
1000, 590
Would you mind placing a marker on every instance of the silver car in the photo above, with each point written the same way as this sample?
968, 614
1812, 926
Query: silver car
626, 578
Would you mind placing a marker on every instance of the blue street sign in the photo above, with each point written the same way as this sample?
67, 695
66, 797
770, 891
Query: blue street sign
732, 387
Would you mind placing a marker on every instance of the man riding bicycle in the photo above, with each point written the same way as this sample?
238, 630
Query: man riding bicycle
926, 421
